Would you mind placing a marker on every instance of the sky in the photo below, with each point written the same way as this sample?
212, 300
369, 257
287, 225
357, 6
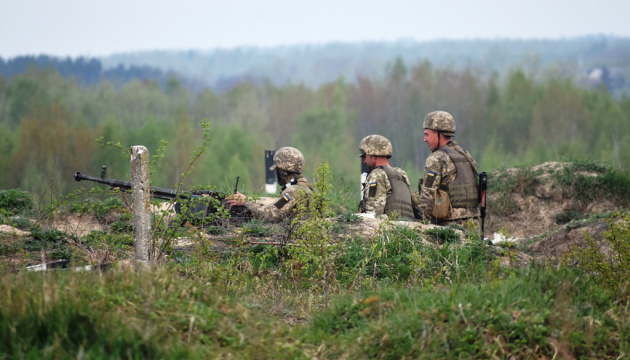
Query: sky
97, 28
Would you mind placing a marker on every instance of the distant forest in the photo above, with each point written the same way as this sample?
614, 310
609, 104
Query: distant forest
52, 111
589, 61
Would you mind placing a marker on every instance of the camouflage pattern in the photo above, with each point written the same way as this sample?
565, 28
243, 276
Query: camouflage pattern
440, 121
378, 178
441, 168
284, 206
288, 159
375, 145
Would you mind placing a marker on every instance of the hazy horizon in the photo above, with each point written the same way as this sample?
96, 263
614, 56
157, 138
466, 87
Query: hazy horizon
76, 28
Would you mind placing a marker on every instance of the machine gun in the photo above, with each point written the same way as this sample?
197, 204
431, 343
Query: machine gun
194, 206
483, 186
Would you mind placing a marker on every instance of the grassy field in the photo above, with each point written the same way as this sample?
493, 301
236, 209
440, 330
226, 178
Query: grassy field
400, 293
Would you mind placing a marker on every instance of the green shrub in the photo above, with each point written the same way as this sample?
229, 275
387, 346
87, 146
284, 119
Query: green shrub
607, 183
19, 222
608, 269
504, 205
99, 208
568, 215
15, 201
121, 226
257, 228
442, 234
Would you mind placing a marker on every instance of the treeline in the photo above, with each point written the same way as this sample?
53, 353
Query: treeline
49, 124
90, 71
589, 61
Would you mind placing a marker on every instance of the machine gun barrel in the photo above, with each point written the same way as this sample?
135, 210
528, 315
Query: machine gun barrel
197, 206
156, 192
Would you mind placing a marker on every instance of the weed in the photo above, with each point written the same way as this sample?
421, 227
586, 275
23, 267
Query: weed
15, 202
584, 189
503, 205
525, 182
19, 222
607, 268
214, 230
441, 235
99, 208
121, 226
257, 228
568, 215
348, 217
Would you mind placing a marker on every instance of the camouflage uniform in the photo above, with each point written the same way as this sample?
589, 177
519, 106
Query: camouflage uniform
284, 206
440, 171
378, 195
289, 162
377, 188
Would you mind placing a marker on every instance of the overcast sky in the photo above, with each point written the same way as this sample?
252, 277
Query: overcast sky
93, 28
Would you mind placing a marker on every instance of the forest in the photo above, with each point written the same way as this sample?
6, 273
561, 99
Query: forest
52, 126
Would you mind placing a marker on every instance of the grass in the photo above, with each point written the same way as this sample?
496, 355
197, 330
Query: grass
611, 183
400, 293
532, 313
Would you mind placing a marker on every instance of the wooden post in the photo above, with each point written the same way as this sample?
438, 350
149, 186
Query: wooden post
141, 195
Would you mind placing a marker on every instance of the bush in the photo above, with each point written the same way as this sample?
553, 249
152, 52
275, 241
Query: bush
608, 269
15, 201
99, 208
607, 183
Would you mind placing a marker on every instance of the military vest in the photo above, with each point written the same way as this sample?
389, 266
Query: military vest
399, 201
463, 191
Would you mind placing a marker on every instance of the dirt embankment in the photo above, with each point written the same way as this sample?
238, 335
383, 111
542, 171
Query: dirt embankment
537, 207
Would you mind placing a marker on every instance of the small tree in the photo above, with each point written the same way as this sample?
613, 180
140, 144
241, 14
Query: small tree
311, 232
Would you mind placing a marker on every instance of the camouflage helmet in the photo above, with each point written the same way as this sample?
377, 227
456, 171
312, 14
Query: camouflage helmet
440, 121
375, 145
288, 159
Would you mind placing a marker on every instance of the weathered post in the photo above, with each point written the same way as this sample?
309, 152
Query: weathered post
270, 176
141, 195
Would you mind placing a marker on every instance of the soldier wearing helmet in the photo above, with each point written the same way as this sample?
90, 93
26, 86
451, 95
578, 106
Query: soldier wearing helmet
386, 189
289, 166
448, 170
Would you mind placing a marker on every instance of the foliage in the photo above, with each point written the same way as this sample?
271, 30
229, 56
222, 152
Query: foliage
100, 208
311, 232
15, 201
442, 235
583, 187
257, 228
526, 315
608, 265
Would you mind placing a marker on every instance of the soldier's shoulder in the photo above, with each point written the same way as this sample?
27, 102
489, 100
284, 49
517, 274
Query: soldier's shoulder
293, 189
400, 171
377, 174
437, 157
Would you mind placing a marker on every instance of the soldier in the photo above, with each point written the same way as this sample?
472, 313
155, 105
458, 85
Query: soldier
450, 175
289, 165
386, 189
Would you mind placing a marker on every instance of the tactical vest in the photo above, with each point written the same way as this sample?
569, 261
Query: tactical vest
462, 191
399, 201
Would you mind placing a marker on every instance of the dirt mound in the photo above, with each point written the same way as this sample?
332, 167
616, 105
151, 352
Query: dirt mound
540, 206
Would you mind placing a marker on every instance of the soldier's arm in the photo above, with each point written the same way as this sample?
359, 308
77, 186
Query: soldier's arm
375, 192
281, 209
431, 182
